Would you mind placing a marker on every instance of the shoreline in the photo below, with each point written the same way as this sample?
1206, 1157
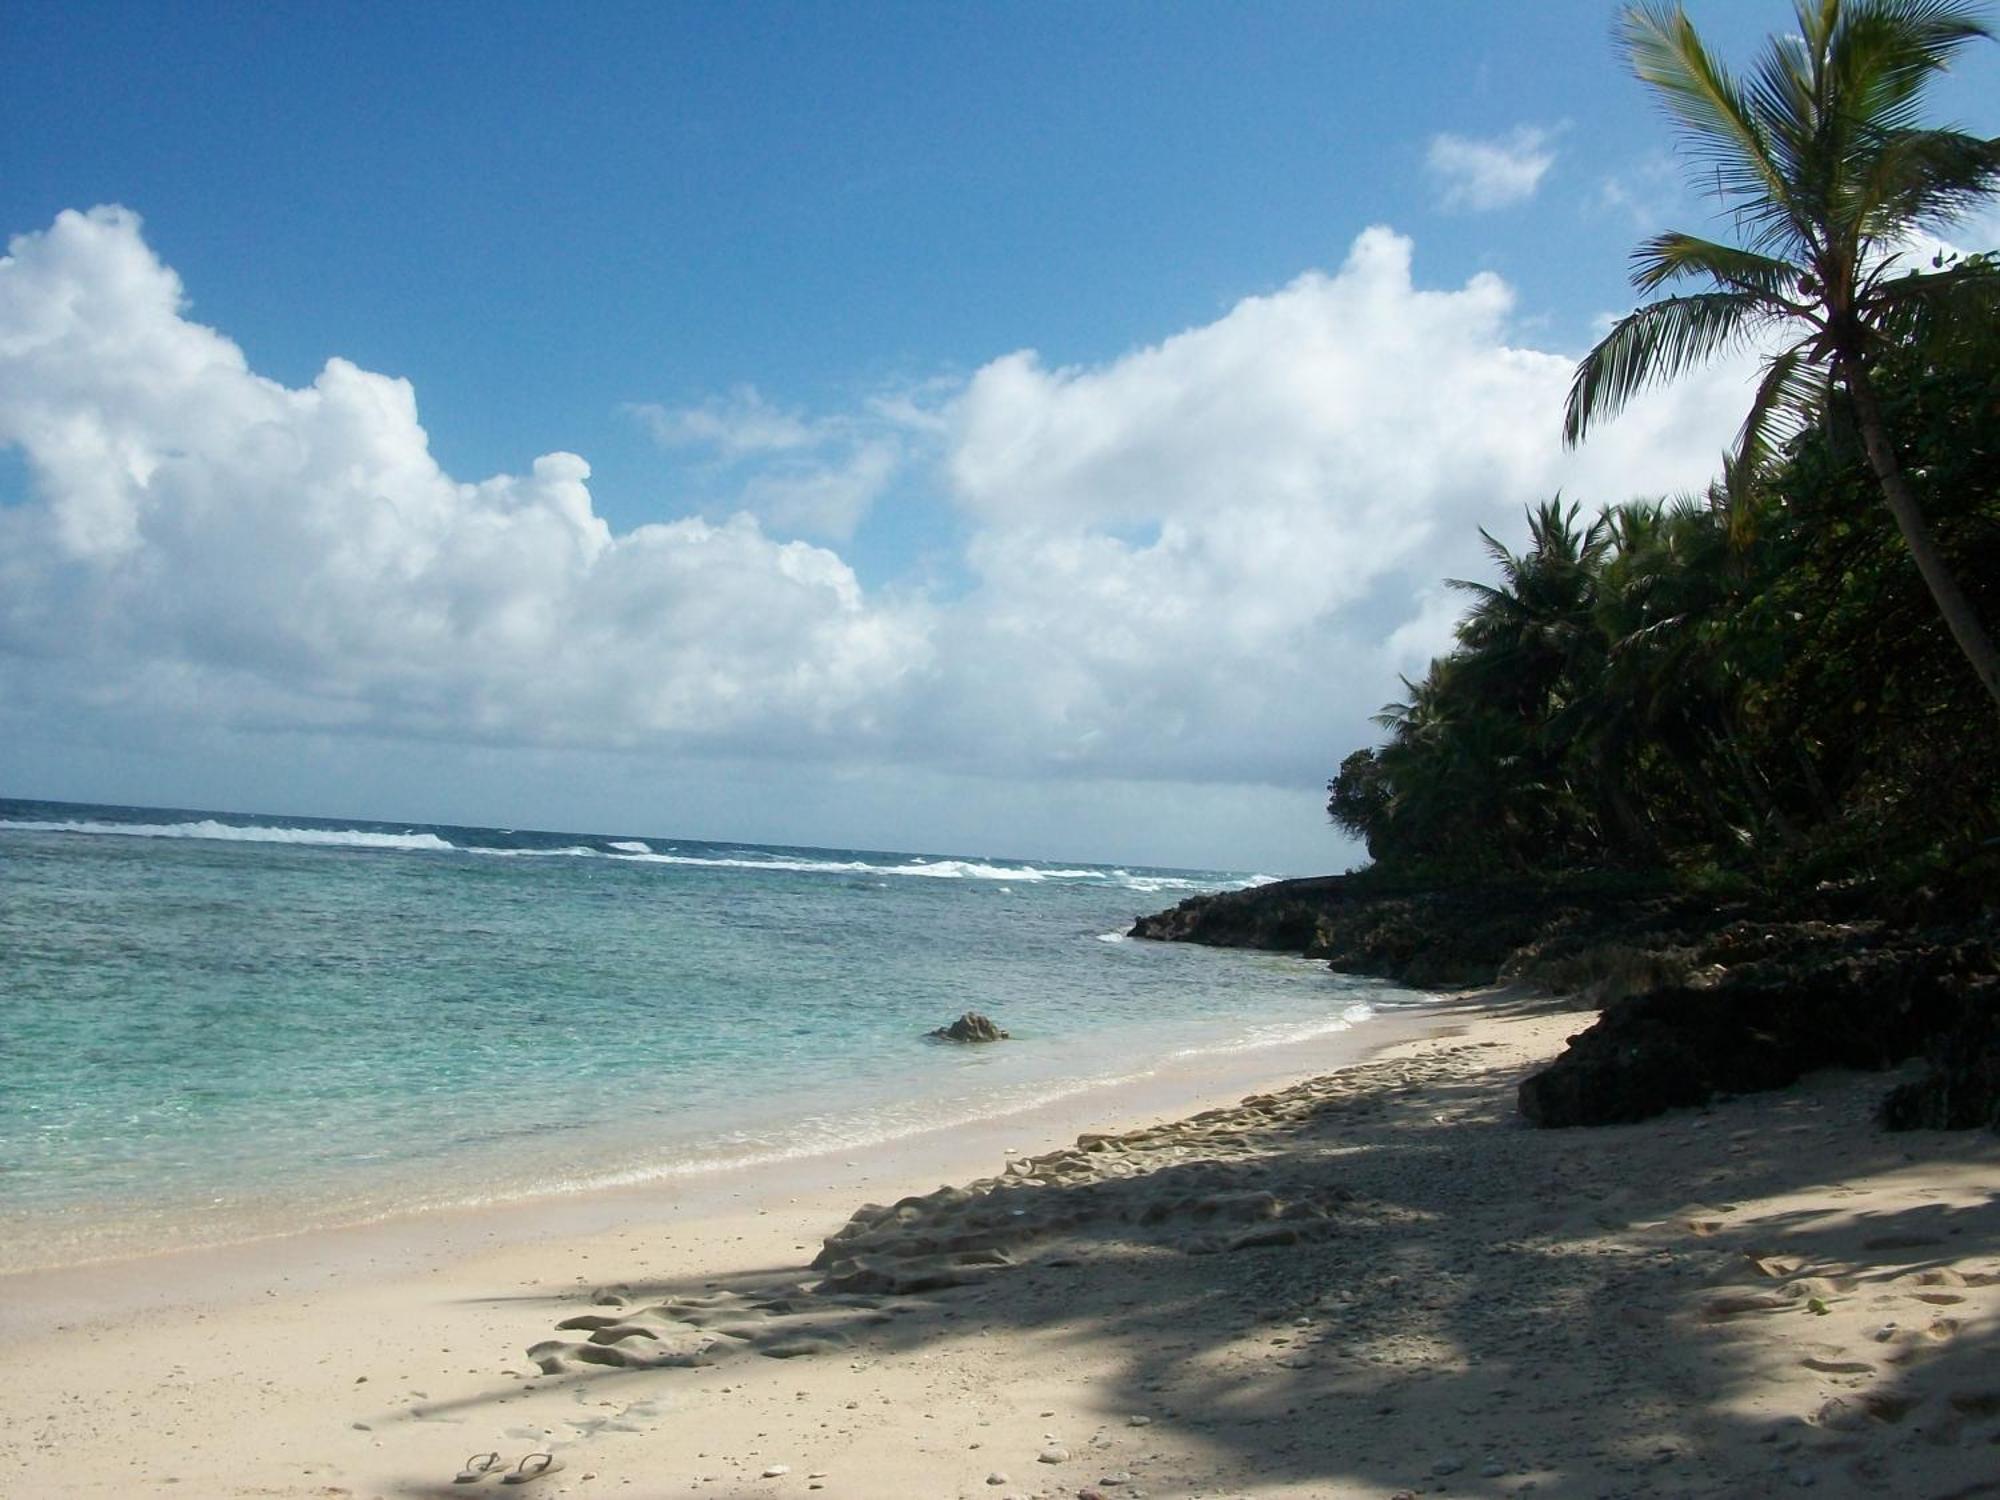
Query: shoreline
317, 1254
1760, 1295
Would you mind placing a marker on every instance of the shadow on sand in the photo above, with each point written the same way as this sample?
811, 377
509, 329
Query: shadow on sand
1384, 1282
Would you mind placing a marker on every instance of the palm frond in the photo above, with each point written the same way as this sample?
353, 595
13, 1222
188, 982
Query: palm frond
1719, 121
1783, 99
1880, 55
1655, 344
1489, 596
1791, 393
1674, 256
1922, 306
1926, 177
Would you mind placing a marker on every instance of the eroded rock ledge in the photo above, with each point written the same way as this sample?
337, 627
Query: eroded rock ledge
1699, 997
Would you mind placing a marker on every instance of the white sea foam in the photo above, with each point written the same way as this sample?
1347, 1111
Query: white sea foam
1287, 1033
632, 851
1111, 937
209, 828
929, 869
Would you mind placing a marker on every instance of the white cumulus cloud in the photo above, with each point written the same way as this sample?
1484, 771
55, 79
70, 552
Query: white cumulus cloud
1202, 562
202, 535
1475, 174
1222, 548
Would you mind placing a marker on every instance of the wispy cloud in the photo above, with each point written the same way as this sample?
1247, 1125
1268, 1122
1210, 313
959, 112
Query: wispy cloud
807, 475
1476, 175
740, 423
1651, 192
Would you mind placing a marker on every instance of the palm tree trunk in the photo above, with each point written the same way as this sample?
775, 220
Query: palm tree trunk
1950, 598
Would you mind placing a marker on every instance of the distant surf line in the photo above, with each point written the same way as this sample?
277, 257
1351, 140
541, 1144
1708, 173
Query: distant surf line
631, 851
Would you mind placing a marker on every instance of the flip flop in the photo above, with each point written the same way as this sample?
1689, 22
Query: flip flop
523, 1474
480, 1466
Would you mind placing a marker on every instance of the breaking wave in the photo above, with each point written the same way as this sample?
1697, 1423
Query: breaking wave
253, 833
629, 851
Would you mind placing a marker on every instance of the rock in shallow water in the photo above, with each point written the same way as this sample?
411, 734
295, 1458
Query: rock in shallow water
970, 1027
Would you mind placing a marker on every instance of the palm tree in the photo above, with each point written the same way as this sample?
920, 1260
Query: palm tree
1819, 153
1526, 638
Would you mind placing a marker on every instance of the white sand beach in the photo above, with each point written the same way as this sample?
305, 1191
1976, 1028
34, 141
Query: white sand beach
1371, 1283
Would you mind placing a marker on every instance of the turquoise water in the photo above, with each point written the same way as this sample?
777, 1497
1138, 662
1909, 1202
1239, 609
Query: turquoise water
213, 1026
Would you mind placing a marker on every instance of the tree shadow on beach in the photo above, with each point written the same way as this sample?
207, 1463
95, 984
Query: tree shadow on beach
1464, 1306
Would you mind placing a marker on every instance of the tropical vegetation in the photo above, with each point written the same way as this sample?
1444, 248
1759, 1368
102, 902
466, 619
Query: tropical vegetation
1820, 157
1768, 682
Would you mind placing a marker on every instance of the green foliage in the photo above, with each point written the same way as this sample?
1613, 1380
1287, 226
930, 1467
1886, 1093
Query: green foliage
1750, 696
1822, 161
1769, 688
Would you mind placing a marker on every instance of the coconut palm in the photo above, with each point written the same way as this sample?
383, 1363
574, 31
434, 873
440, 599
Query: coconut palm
1820, 154
1526, 638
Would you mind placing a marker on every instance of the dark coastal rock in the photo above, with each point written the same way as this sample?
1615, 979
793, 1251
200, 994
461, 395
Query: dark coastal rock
1284, 916
1962, 1089
1701, 996
1441, 936
1760, 1028
970, 1027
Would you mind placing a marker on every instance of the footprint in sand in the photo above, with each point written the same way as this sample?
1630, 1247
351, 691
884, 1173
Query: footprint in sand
1777, 1267
1884, 1406
1941, 1276
1732, 1304
1838, 1366
1911, 1342
1936, 1281
1901, 1242
701, 1331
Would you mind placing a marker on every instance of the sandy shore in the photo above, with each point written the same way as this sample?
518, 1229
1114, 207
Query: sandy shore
1370, 1283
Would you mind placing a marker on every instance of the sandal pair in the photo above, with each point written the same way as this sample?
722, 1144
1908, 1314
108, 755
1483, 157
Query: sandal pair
485, 1465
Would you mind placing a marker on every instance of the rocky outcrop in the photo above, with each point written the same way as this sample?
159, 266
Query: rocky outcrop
1759, 1027
1962, 1089
1701, 997
970, 1027
1447, 936
1284, 916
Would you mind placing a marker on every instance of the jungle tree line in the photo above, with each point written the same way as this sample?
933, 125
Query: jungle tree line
1794, 672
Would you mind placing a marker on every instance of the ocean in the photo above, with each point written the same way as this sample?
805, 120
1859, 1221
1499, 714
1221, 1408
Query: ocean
218, 1026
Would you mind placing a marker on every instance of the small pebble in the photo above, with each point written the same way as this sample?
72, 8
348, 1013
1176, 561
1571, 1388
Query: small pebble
776, 1470
1054, 1455
1446, 1466
1138, 1421
996, 1477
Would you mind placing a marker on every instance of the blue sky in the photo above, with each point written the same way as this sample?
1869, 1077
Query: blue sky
773, 273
